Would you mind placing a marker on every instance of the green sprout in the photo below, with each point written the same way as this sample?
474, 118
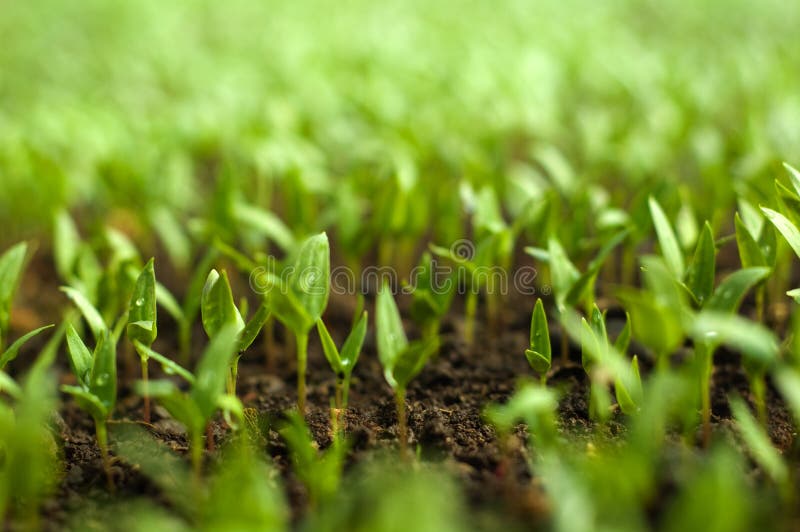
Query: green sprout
142, 318
401, 360
320, 472
757, 344
539, 354
570, 286
96, 392
207, 388
343, 362
12, 263
299, 298
28, 448
431, 296
218, 311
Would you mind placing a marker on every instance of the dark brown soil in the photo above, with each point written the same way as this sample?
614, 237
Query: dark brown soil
444, 404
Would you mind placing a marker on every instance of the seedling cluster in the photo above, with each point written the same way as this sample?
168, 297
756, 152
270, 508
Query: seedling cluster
302, 265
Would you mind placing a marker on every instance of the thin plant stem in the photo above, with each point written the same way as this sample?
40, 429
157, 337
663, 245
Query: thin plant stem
758, 387
705, 357
102, 442
269, 344
197, 454
760, 297
402, 422
146, 389
302, 360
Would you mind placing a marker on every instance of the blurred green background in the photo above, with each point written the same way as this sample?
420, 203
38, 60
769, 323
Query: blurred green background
139, 107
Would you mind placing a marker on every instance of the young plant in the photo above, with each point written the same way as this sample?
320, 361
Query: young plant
12, 263
342, 362
757, 249
401, 360
96, 392
600, 357
320, 472
28, 450
539, 354
11, 353
571, 287
299, 298
218, 310
142, 326
758, 346
207, 388
431, 296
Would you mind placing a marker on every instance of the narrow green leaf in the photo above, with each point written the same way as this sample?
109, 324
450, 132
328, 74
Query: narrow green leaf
88, 402
794, 294
168, 302
80, 358
730, 292
13, 350
351, 349
217, 307
410, 362
213, 369
794, 176
12, 263
170, 367
310, 280
673, 255
142, 308
253, 327
656, 324
267, 224
752, 339
758, 442
66, 245
700, 276
785, 227
563, 273
7, 385
103, 379
750, 253
391, 337
90, 313
540, 354
329, 348
623, 340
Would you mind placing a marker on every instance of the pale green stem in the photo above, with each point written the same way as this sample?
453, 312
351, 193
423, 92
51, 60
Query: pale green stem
759, 389
102, 442
302, 360
146, 388
705, 359
402, 428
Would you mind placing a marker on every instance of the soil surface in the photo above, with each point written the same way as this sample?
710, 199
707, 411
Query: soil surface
444, 404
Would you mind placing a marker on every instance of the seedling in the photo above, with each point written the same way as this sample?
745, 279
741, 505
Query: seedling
571, 287
218, 311
432, 296
13, 350
142, 326
12, 263
206, 395
539, 354
28, 450
756, 343
401, 360
96, 393
342, 363
299, 298
320, 472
